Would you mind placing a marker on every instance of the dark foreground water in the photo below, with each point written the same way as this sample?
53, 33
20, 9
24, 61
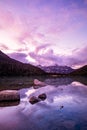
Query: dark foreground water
65, 107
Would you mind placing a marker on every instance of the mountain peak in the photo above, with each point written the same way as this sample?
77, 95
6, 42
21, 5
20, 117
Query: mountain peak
57, 69
1, 52
3, 55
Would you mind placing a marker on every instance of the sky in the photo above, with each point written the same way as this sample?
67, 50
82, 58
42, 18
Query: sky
44, 32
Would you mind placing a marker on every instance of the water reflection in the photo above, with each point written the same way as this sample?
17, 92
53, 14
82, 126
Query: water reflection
65, 108
26, 82
59, 81
9, 103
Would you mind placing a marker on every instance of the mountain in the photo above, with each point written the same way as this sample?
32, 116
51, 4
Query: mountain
11, 67
80, 71
3, 57
56, 69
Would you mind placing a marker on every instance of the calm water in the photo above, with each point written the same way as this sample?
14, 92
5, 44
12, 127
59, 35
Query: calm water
65, 107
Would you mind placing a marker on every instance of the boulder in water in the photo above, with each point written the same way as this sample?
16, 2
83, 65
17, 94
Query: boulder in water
34, 100
9, 95
42, 96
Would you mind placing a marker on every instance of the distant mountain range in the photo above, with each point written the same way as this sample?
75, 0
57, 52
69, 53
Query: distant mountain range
64, 70
57, 69
11, 67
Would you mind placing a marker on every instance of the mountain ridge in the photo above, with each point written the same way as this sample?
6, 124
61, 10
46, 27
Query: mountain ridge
80, 71
12, 67
57, 69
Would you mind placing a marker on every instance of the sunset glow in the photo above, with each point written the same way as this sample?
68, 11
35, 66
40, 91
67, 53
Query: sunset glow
44, 32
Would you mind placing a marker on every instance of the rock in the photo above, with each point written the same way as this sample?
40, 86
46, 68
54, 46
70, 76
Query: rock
39, 83
42, 96
9, 95
34, 100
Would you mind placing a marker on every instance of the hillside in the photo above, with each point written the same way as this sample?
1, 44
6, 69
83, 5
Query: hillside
11, 67
80, 71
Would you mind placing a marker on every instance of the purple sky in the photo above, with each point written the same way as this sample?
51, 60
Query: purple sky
45, 32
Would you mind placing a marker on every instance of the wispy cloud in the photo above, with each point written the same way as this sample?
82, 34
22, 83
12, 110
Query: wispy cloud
41, 28
19, 56
79, 58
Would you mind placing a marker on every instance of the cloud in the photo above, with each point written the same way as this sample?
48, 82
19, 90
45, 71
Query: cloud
79, 57
19, 56
44, 55
85, 2
42, 47
31, 27
3, 47
6, 18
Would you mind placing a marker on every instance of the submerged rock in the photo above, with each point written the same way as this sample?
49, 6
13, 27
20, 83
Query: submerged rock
34, 100
39, 83
9, 95
42, 96
37, 87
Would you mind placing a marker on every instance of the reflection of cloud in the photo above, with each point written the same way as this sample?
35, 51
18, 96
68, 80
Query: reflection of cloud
75, 83
29, 92
64, 98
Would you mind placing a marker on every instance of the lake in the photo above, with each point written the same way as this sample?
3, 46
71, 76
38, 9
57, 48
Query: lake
65, 106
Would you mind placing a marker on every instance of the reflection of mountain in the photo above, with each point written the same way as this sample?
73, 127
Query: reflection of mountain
13, 67
66, 80
81, 79
57, 69
80, 71
26, 82
59, 81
